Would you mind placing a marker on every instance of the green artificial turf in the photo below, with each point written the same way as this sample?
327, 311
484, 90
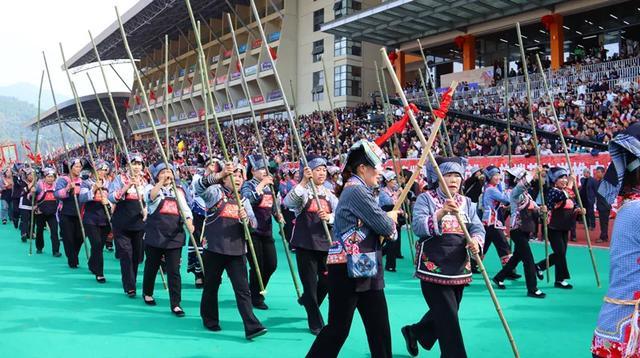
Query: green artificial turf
49, 310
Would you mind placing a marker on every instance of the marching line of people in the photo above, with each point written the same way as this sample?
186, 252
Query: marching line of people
145, 225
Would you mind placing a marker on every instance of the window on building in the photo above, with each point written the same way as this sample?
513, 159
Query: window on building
318, 19
346, 7
317, 86
343, 46
347, 81
318, 50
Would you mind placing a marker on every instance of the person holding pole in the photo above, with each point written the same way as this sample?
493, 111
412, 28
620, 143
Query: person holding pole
387, 199
443, 264
29, 188
93, 198
355, 275
308, 237
225, 248
256, 189
563, 214
66, 188
164, 234
128, 221
45, 210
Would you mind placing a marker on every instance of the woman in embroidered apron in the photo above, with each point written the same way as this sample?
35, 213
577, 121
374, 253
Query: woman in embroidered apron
66, 187
285, 186
46, 207
617, 333
257, 190
164, 234
94, 202
523, 222
309, 238
127, 221
563, 213
225, 248
28, 177
493, 201
387, 199
443, 265
355, 275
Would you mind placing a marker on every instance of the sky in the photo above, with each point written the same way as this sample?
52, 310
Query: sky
30, 27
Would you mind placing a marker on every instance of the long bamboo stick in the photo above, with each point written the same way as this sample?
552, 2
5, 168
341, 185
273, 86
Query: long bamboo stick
443, 145
506, 106
570, 166
545, 231
445, 189
35, 179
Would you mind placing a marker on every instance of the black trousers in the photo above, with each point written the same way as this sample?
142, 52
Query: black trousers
97, 235
267, 261
193, 265
392, 250
558, 241
441, 322
236, 267
15, 212
603, 217
25, 223
591, 216
521, 253
499, 240
312, 269
71, 237
172, 267
129, 249
52, 221
343, 301
288, 217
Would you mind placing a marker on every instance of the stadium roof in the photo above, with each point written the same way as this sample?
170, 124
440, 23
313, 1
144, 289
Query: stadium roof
145, 23
397, 21
68, 112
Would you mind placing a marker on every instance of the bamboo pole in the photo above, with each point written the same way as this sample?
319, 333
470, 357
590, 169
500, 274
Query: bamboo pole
294, 128
64, 144
35, 181
568, 160
506, 106
333, 111
233, 121
153, 126
445, 189
426, 94
245, 88
545, 231
204, 79
394, 140
166, 91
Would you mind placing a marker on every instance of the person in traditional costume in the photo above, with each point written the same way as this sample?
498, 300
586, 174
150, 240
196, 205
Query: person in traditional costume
257, 190
387, 199
563, 212
443, 266
617, 333
28, 177
66, 187
164, 234
127, 221
522, 224
96, 210
355, 274
45, 211
225, 247
309, 238
285, 186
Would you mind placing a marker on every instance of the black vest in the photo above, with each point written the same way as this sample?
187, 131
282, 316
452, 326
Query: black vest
562, 217
69, 204
128, 216
308, 232
48, 204
93, 212
263, 212
164, 228
223, 230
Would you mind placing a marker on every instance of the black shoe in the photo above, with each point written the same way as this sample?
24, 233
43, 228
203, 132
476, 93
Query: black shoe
38, 251
474, 269
215, 328
100, 279
4, 222
536, 294
57, 254
499, 284
300, 302
410, 341
563, 284
315, 331
131, 293
539, 273
260, 306
400, 257
390, 269
199, 282
256, 333
512, 276
150, 302
177, 311
24, 239
73, 266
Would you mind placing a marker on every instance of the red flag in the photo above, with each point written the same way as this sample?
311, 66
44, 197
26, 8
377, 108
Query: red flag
126, 103
238, 66
274, 53
201, 113
170, 89
137, 99
397, 127
393, 56
152, 95
444, 104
